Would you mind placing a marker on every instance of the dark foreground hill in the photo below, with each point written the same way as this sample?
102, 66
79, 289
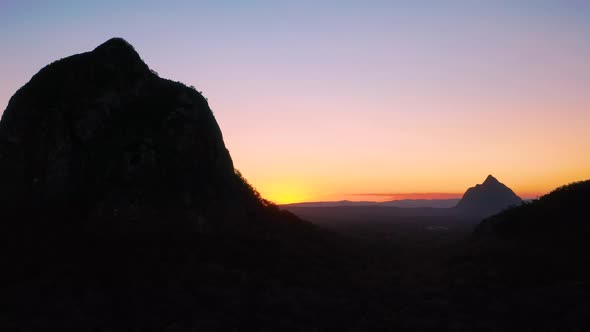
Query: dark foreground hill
121, 209
548, 235
533, 260
560, 219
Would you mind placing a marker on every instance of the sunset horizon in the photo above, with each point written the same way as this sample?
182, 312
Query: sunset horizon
291, 197
338, 109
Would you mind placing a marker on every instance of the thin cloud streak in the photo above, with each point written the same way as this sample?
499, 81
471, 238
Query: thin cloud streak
410, 195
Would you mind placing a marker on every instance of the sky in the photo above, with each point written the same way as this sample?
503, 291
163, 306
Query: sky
358, 100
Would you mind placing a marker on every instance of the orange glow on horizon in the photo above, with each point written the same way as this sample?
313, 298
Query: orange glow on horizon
285, 192
297, 191
285, 196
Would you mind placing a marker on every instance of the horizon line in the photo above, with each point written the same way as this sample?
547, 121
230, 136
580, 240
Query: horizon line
385, 197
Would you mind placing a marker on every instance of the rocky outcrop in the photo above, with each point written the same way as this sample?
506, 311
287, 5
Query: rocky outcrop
98, 142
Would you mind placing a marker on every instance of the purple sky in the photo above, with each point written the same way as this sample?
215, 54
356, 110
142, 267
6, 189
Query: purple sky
317, 99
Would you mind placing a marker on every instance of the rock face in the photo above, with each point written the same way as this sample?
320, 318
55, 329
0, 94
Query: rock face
98, 141
487, 198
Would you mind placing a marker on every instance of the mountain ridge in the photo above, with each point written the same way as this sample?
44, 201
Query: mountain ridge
401, 203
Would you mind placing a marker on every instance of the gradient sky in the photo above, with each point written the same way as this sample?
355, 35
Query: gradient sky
328, 100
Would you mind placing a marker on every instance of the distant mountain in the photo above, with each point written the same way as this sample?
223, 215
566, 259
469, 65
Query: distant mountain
478, 202
403, 203
487, 198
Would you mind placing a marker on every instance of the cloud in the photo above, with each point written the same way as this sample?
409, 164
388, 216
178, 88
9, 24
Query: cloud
397, 196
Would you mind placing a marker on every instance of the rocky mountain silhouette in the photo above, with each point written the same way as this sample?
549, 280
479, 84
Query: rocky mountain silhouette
98, 142
487, 198
121, 209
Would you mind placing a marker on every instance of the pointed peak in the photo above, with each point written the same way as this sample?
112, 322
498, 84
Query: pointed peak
121, 54
490, 179
115, 43
117, 48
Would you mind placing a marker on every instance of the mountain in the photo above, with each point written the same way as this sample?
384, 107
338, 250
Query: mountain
97, 142
478, 202
402, 203
487, 198
121, 209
